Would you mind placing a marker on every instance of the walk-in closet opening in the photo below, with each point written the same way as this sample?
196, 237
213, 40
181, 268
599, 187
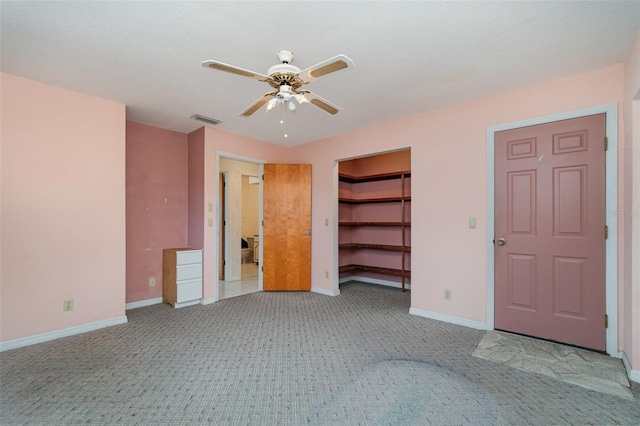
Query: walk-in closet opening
374, 214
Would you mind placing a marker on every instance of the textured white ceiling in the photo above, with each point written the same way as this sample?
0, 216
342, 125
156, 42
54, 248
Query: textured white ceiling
410, 57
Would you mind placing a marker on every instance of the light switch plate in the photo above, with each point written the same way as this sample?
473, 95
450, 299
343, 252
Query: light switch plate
472, 223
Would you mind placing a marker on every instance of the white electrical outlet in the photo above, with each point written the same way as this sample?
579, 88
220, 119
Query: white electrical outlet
152, 281
447, 295
67, 305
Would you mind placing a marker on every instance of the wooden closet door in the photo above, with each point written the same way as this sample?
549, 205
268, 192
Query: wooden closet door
286, 231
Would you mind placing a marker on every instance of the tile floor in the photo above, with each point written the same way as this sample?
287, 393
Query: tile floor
248, 283
580, 367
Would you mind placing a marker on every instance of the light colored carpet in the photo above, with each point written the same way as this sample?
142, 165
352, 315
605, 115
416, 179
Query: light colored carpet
577, 366
290, 358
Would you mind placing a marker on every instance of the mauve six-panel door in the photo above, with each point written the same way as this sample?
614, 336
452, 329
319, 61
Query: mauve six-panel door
549, 231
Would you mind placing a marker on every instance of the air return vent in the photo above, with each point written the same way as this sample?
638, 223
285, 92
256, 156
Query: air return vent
207, 120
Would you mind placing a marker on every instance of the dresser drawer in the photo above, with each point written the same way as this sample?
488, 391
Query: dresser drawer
189, 272
188, 256
189, 290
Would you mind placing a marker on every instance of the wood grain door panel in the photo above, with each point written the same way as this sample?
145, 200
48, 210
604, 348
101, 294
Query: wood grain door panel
287, 227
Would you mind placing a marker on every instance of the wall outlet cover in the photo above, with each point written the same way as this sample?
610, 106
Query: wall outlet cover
67, 305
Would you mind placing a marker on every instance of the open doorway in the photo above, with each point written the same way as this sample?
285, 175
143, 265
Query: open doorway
239, 229
250, 211
374, 216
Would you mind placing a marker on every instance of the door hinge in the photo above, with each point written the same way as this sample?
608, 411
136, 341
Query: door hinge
224, 262
262, 177
263, 223
606, 143
606, 232
606, 321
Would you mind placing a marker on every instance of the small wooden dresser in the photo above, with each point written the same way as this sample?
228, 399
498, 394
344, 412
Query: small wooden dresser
181, 276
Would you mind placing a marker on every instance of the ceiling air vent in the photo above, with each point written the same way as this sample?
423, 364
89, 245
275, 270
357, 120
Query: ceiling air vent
207, 120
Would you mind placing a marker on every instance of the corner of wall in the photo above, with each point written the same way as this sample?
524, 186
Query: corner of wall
195, 159
631, 208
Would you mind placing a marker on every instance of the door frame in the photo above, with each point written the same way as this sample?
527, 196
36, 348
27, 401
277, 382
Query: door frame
219, 215
222, 225
611, 204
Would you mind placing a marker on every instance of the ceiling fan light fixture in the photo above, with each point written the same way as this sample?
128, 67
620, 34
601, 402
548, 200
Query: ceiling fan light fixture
271, 104
284, 92
301, 99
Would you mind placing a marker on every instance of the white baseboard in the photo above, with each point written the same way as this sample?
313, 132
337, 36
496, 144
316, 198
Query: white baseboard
208, 301
448, 318
325, 292
631, 373
374, 281
143, 303
65, 332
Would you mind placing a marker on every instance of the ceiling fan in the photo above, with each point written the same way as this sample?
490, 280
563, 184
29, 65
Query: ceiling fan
288, 79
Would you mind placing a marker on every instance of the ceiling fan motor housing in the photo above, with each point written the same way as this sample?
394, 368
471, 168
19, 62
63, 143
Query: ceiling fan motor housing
284, 74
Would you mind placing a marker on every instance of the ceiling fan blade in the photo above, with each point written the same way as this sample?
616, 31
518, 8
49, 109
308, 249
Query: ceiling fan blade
235, 70
334, 64
259, 103
321, 103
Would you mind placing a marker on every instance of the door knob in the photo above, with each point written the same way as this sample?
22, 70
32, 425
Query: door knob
501, 241
307, 233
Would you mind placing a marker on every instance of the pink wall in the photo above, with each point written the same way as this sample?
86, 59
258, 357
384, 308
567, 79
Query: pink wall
196, 189
449, 168
631, 207
181, 169
63, 208
156, 204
